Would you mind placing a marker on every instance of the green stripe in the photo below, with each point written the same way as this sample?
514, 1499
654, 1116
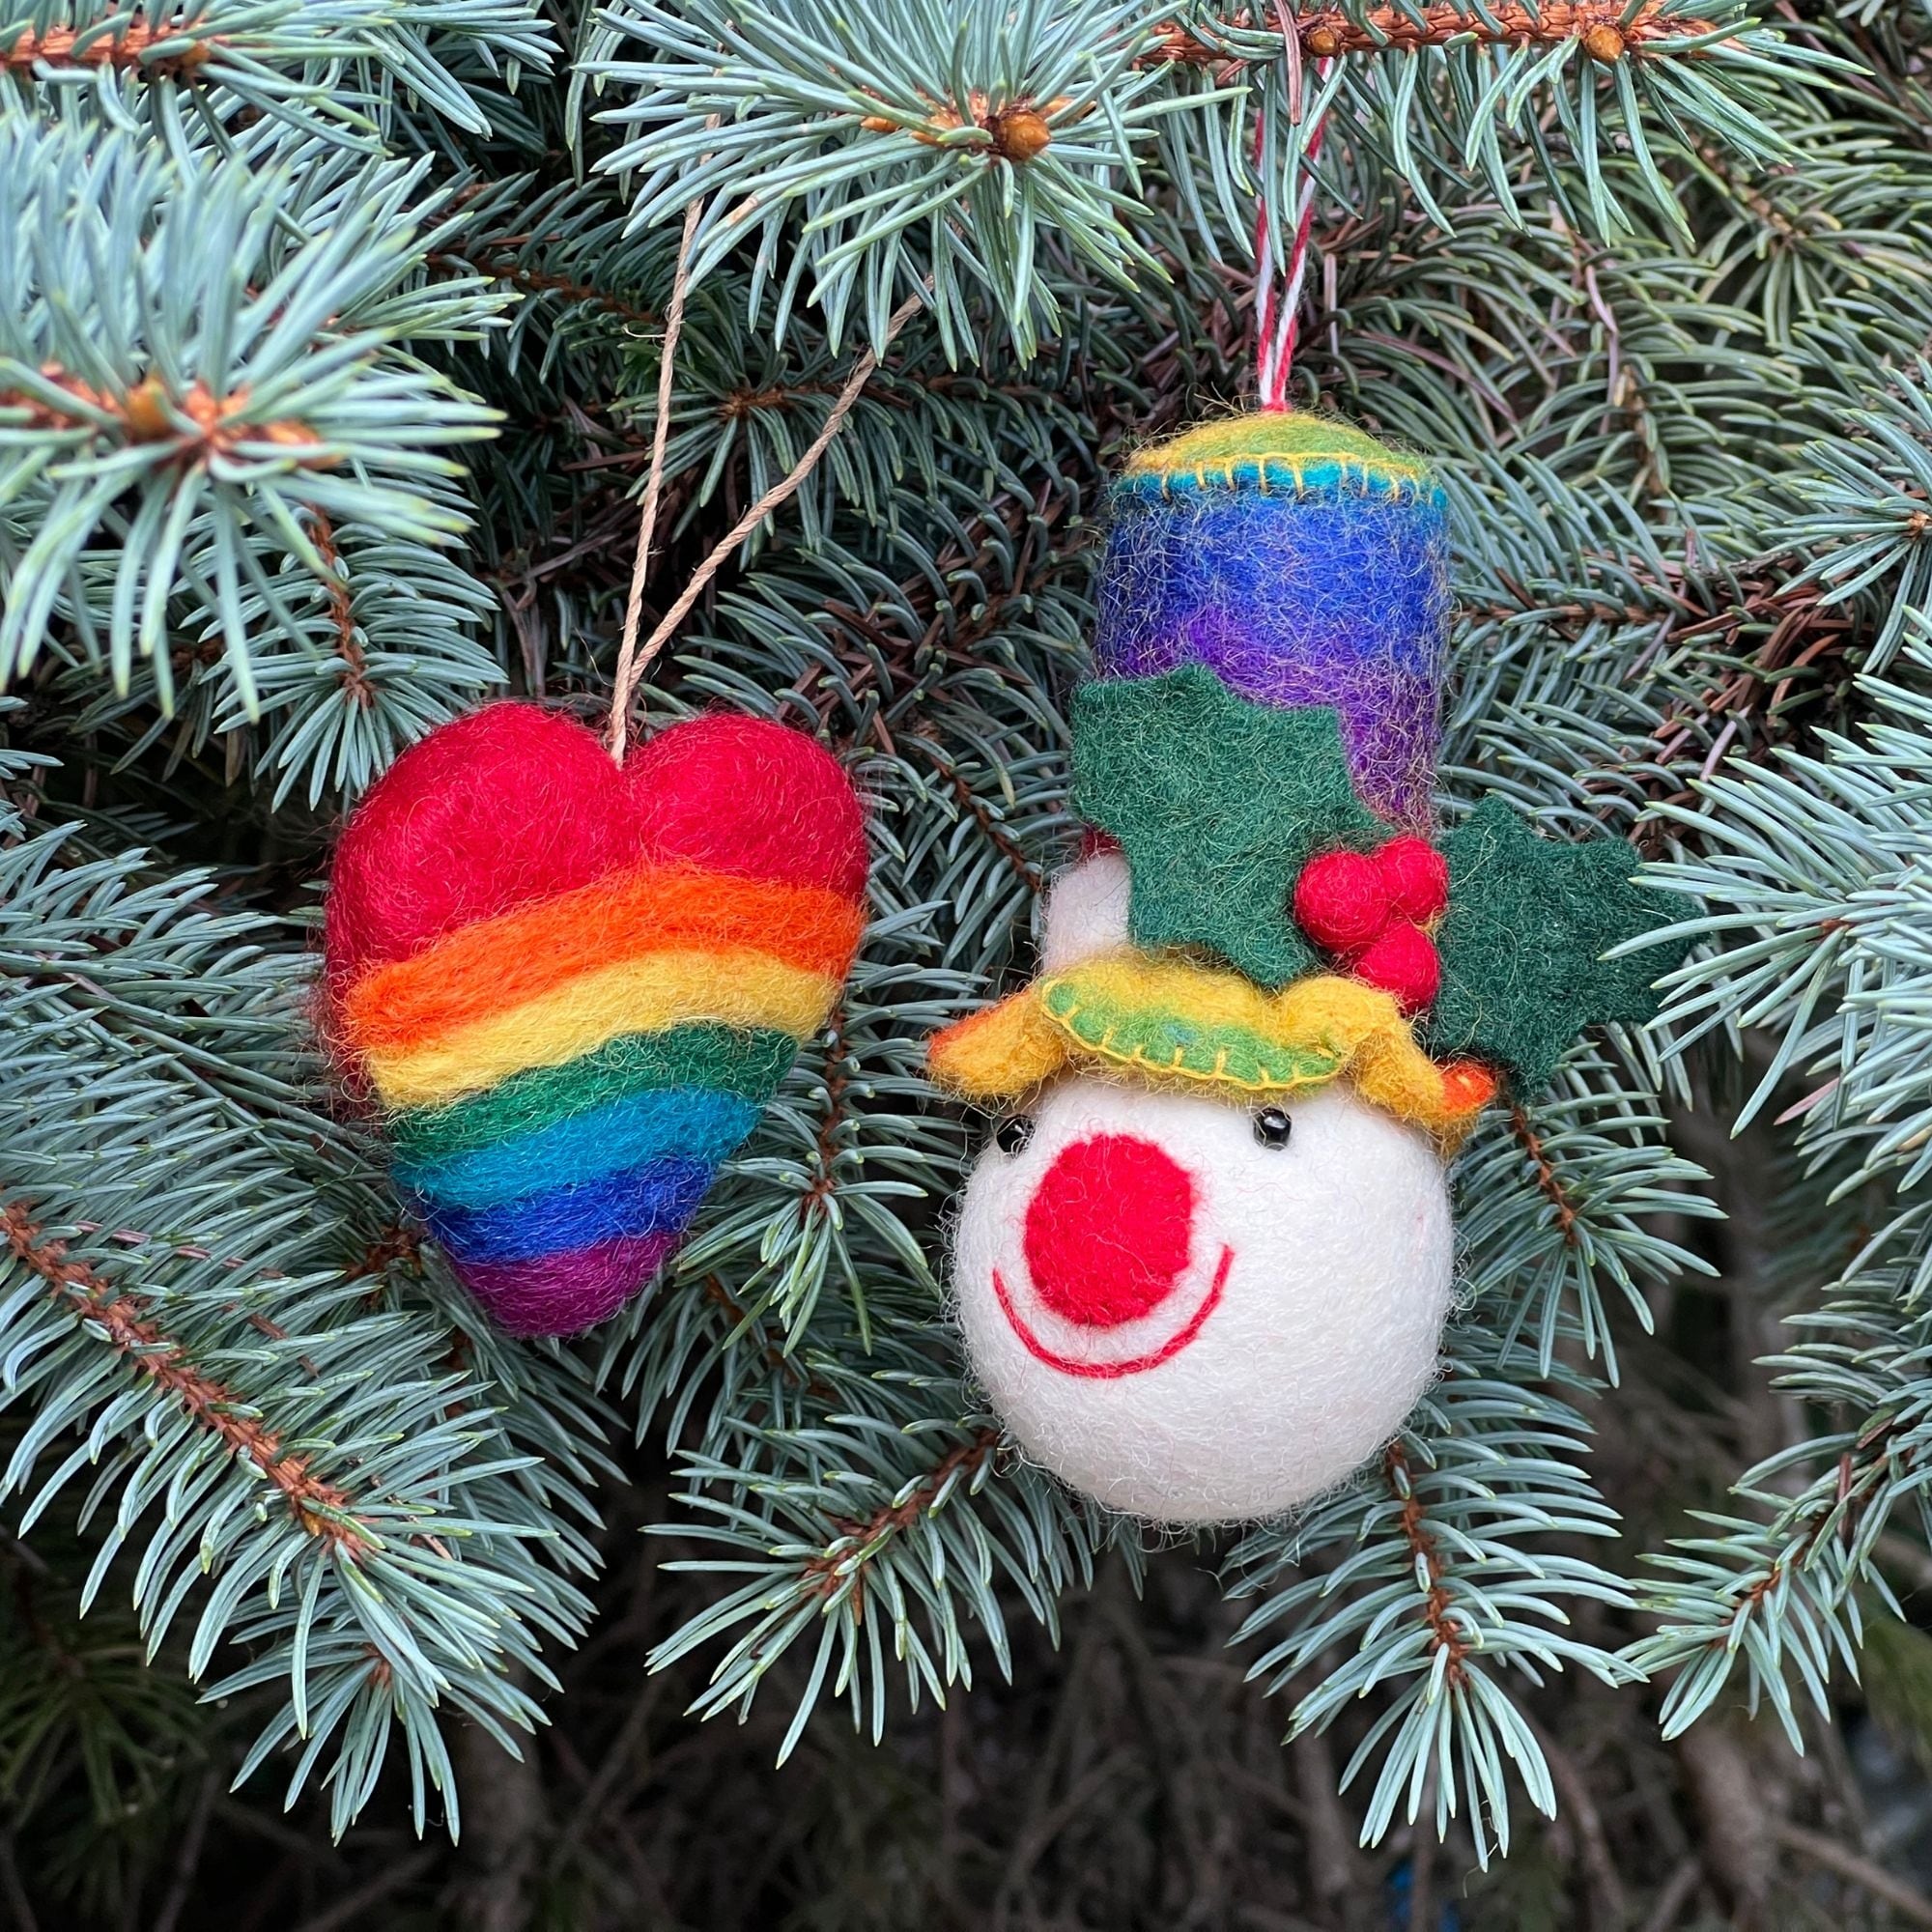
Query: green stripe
706, 1055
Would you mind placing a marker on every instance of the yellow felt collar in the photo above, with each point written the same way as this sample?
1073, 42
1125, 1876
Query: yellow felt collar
1169, 1022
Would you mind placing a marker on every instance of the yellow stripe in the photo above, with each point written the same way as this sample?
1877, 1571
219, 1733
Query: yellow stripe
737, 987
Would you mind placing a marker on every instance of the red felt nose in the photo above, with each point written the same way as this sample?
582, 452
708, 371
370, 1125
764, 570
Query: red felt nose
1108, 1230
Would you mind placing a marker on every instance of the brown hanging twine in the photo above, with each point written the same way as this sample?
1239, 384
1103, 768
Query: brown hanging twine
633, 659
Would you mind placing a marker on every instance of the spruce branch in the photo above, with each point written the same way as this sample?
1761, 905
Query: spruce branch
1783, 1592
126, 1323
1560, 1201
1607, 30
165, 46
356, 690
276, 59
1658, 318
342, 1508
192, 428
1432, 1584
912, 160
873, 1526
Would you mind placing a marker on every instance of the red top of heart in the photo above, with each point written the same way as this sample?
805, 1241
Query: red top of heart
515, 803
1370, 909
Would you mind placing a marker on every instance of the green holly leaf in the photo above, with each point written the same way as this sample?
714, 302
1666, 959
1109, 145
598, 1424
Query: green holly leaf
1218, 803
1523, 942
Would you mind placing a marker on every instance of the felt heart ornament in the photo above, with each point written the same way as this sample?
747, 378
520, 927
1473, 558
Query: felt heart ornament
571, 988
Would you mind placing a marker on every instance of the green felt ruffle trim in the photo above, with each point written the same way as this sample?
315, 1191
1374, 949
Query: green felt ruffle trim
1180, 1044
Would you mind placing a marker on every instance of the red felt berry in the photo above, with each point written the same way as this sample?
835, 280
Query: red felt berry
1401, 960
1341, 900
1416, 876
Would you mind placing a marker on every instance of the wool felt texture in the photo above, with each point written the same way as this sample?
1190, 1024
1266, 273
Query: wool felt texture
1367, 908
733, 985
748, 1065
1086, 910
689, 1121
657, 1198
1218, 804
1342, 900
499, 963
1290, 1343
1522, 945
572, 985
1416, 876
1400, 959
1303, 564
1175, 1307
514, 803
566, 1292
1108, 1230
1165, 1022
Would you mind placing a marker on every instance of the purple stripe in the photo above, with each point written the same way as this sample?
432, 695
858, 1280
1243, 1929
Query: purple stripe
565, 1293
1329, 599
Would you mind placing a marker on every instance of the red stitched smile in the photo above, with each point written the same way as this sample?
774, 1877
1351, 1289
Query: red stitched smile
1135, 1364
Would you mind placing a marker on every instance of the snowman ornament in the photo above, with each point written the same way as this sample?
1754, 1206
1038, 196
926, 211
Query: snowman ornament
1203, 1266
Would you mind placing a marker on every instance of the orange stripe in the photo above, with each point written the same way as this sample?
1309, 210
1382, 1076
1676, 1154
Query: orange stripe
500, 963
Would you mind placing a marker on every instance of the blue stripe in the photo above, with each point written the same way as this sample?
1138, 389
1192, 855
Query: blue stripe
692, 1123
660, 1197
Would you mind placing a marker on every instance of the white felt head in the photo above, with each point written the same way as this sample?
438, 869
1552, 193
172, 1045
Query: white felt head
1086, 911
1183, 1322
1293, 1319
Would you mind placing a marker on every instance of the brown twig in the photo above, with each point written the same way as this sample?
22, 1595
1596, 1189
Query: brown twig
969, 613
1734, 1807
125, 1322
1600, 26
1610, 1909
120, 40
1443, 1635
775, 1358
1002, 840
1903, 1898
501, 268
1683, 1880
628, 674
1546, 1177
828, 1570
835, 1083
396, 1876
356, 689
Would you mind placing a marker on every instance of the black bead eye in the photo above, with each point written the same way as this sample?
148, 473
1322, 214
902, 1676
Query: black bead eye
1272, 1126
1014, 1133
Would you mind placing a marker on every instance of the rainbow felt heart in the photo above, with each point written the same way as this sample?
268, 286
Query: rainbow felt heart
572, 988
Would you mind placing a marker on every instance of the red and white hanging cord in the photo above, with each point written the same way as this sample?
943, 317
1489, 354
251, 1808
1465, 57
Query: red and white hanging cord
1278, 300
